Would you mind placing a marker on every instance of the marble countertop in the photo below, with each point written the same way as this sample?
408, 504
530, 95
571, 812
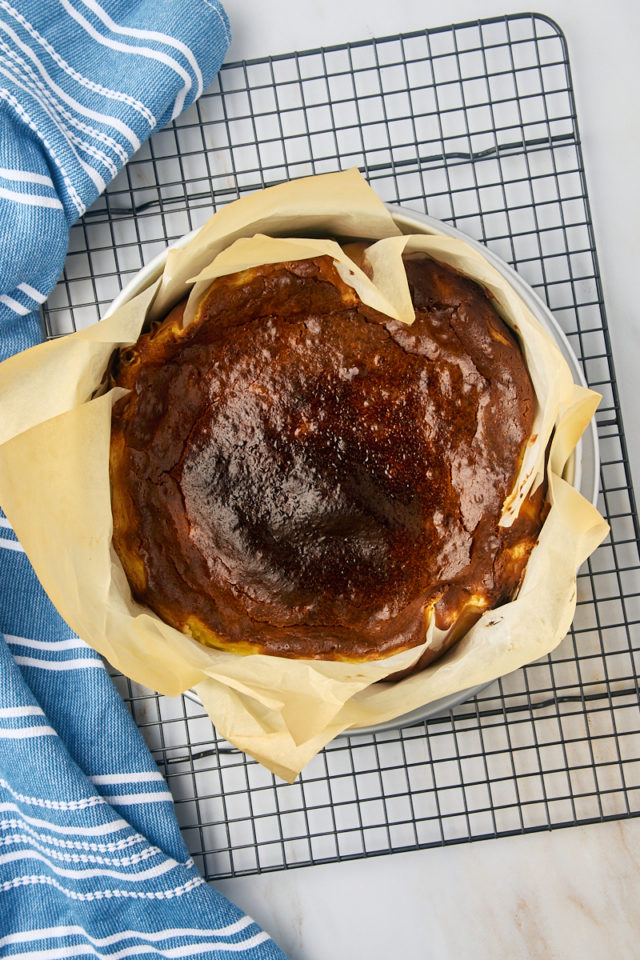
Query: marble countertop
550, 896
573, 892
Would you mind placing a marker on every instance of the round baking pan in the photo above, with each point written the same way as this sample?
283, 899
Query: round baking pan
582, 470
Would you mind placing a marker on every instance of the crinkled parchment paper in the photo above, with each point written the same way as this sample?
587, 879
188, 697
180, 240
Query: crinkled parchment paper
54, 485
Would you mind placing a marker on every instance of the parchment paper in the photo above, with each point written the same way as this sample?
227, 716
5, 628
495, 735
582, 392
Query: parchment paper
54, 487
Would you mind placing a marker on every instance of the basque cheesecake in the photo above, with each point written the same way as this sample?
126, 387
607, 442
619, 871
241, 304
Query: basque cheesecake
296, 474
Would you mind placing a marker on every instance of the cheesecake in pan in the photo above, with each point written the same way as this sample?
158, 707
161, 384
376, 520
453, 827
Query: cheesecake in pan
296, 474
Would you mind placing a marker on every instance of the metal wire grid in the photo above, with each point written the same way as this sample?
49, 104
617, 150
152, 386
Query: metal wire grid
476, 125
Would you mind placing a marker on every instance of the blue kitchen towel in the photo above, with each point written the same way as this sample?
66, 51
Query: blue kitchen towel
92, 862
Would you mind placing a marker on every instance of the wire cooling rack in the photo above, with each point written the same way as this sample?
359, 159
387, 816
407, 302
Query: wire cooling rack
474, 124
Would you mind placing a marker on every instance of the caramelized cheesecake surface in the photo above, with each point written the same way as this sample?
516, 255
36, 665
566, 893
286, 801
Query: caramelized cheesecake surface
297, 474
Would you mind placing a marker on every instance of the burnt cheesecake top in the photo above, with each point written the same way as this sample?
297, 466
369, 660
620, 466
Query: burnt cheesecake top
296, 474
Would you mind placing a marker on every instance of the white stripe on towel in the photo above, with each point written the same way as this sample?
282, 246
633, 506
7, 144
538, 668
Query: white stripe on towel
21, 712
27, 733
112, 846
171, 953
146, 777
78, 663
113, 826
74, 643
130, 799
46, 933
31, 200
24, 176
15, 839
89, 873
8, 302
32, 292
100, 894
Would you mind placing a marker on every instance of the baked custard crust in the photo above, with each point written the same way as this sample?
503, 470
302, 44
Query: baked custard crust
296, 474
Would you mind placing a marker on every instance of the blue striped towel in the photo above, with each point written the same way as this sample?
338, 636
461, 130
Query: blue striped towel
92, 862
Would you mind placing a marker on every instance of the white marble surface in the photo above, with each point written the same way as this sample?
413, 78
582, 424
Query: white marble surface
572, 893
